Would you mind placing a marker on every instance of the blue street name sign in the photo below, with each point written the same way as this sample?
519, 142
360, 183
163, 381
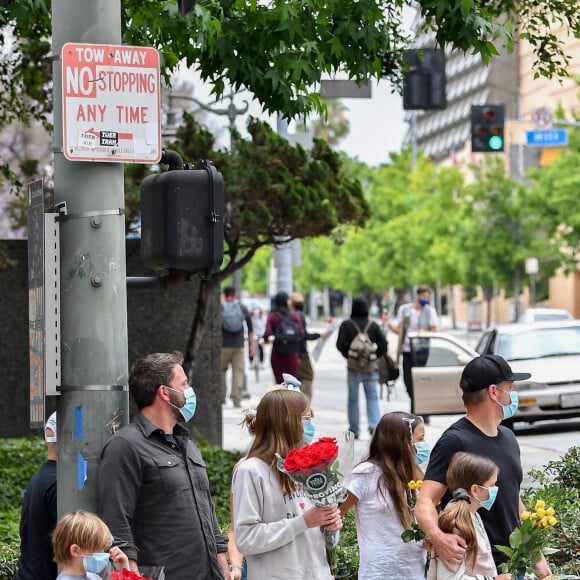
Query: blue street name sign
547, 138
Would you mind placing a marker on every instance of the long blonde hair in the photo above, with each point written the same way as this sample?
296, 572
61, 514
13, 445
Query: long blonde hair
278, 428
465, 470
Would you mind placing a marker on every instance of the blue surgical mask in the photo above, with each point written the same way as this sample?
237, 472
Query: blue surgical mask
487, 503
188, 409
509, 410
423, 301
96, 563
308, 431
422, 451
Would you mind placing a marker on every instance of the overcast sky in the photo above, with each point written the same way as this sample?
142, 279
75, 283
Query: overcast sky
376, 124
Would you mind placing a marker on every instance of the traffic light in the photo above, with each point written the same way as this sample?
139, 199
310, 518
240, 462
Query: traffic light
487, 128
424, 82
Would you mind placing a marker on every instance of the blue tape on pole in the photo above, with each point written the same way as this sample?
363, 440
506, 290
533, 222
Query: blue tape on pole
81, 471
79, 423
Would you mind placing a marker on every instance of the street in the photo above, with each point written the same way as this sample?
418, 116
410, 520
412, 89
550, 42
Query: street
539, 443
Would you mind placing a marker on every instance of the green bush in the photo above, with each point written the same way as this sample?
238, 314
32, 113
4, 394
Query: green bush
560, 487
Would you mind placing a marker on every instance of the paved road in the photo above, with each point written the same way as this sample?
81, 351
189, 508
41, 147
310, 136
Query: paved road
539, 443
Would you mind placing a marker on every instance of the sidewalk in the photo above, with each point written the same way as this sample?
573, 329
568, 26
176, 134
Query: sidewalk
329, 403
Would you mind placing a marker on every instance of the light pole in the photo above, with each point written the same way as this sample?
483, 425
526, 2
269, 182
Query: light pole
231, 111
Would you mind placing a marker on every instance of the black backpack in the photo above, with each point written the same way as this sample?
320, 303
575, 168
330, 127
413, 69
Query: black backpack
287, 335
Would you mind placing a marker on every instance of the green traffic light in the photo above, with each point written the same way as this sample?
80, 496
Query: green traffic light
495, 143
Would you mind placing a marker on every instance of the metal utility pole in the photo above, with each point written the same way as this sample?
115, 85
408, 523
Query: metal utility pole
93, 399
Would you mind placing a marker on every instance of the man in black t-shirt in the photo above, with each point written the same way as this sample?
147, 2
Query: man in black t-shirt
489, 396
38, 516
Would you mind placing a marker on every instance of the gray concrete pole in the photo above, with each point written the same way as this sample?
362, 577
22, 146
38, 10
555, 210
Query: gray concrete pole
283, 252
93, 400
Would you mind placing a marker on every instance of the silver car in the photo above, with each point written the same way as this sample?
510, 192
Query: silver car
550, 351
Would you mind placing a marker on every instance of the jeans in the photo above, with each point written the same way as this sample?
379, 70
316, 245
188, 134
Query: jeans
369, 381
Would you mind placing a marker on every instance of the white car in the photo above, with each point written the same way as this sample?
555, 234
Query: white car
538, 314
550, 351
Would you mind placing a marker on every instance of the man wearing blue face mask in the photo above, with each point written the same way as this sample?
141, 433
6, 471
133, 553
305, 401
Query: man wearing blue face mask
413, 318
490, 396
153, 486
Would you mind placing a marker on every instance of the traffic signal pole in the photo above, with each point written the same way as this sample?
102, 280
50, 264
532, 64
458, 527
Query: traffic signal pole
93, 399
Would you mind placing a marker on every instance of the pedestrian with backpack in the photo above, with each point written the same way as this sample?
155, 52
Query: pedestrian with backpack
234, 316
361, 342
285, 327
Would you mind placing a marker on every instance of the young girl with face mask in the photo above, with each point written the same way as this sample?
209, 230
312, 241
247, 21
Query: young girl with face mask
472, 479
82, 547
379, 491
275, 525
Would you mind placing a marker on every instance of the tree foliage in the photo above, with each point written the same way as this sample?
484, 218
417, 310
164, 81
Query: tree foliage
279, 50
558, 189
274, 191
427, 226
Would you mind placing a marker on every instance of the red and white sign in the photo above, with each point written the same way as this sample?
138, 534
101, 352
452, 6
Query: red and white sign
542, 118
111, 103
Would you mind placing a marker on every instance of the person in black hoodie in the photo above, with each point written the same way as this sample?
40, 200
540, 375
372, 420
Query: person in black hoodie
358, 322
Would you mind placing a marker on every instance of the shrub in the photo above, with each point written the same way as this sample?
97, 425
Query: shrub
560, 487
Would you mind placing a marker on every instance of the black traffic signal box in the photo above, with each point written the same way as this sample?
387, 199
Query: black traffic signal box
425, 82
182, 220
487, 128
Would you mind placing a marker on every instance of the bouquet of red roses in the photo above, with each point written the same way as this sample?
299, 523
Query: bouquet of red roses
145, 573
316, 468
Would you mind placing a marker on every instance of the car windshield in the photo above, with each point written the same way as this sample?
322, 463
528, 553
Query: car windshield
540, 317
540, 343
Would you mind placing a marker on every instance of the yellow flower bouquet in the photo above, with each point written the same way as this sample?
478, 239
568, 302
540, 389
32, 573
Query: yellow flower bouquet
529, 541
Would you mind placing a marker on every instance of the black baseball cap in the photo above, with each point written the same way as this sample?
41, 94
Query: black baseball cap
486, 370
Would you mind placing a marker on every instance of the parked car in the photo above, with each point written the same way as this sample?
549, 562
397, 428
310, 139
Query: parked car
550, 351
538, 314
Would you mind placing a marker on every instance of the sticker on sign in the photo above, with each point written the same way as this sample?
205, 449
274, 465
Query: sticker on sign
111, 103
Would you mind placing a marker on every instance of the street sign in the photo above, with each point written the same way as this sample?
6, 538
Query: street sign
337, 89
111, 103
542, 118
547, 138
532, 265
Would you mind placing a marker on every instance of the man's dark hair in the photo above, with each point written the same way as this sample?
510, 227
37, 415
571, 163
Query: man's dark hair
471, 397
423, 288
149, 373
229, 291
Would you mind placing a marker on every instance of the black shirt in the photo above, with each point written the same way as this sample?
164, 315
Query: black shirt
504, 451
37, 521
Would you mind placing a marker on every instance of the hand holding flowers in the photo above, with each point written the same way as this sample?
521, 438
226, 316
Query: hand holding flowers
316, 468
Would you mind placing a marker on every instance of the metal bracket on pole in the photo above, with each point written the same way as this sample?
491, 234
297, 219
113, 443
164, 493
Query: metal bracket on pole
64, 216
52, 303
69, 388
